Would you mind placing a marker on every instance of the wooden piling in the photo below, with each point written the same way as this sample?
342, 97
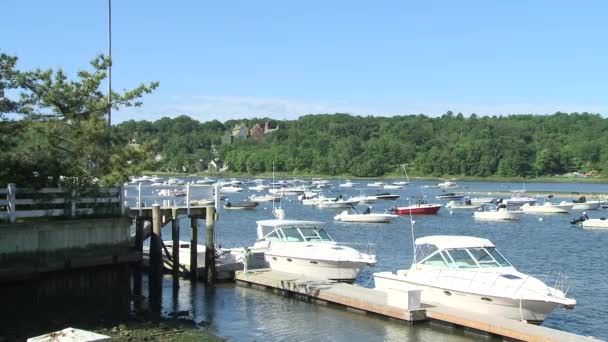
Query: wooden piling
139, 244
175, 237
210, 246
193, 247
11, 198
156, 263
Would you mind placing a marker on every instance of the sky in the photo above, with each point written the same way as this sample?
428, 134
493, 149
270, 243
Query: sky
282, 59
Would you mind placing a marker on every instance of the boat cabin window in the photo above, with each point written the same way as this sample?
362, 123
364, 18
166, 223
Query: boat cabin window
292, 235
323, 234
498, 257
483, 258
310, 234
435, 260
461, 258
424, 250
273, 236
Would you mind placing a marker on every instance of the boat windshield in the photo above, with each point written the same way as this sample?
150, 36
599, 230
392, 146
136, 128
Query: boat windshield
475, 258
298, 234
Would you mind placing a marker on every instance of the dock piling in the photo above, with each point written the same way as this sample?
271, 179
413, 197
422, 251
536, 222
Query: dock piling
175, 237
156, 262
210, 247
193, 247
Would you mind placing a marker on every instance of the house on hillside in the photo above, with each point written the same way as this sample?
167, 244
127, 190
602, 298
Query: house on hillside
256, 132
240, 131
268, 130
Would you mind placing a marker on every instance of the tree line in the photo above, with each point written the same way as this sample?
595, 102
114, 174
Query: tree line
370, 146
54, 131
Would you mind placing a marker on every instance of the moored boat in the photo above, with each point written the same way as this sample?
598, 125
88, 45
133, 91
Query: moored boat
420, 208
364, 217
488, 212
546, 208
304, 247
468, 273
245, 205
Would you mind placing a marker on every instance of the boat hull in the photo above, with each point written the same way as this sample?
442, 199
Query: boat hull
498, 215
595, 224
365, 218
531, 311
418, 210
342, 271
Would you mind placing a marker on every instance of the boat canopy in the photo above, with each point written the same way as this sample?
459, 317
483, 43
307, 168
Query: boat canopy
452, 241
292, 231
458, 252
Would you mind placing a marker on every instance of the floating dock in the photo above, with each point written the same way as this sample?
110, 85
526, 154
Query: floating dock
372, 301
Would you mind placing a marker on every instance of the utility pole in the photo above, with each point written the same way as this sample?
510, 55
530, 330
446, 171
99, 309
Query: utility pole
110, 65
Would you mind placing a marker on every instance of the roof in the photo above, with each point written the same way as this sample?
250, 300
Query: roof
288, 223
454, 241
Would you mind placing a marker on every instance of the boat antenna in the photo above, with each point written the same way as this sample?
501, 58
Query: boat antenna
412, 222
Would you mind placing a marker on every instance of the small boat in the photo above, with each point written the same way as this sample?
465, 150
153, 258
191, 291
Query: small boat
449, 196
392, 186
448, 185
364, 198
518, 198
585, 222
304, 247
377, 184
265, 198
231, 189
467, 205
420, 208
483, 200
469, 273
347, 184
245, 205
259, 187
489, 212
335, 203
364, 217
546, 208
386, 196
227, 260
205, 181
580, 203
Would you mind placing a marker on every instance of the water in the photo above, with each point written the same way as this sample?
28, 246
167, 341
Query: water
533, 246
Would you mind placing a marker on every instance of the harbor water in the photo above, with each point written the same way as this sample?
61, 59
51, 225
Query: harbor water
538, 244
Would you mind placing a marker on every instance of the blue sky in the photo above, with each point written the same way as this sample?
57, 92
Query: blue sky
282, 59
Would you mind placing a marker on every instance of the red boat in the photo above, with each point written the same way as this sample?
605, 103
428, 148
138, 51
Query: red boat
418, 209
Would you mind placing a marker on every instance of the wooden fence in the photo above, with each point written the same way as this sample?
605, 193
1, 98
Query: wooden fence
58, 202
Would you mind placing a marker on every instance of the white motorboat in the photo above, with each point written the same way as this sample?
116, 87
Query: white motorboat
482, 200
487, 212
392, 186
546, 208
205, 181
227, 260
364, 199
335, 203
468, 273
290, 191
585, 222
364, 217
304, 247
231, 189
265, 198
259, 187
347, 184
448, 185
377, 184
518, 198
467, 205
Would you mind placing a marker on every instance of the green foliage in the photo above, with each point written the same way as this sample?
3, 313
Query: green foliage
62, 135
341, 144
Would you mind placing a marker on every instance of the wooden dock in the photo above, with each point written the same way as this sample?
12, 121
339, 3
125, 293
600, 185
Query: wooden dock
370, 300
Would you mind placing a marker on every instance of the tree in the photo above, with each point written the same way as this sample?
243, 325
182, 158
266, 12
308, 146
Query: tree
64, 135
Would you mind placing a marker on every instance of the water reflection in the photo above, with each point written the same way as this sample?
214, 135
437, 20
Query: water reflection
245, 314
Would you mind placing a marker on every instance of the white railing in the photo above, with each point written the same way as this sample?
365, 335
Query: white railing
54, 202
140, 195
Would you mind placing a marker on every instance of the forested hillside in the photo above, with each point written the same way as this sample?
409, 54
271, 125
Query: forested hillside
341, 144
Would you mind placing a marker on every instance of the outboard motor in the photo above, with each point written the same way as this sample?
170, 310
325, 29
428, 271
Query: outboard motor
576, 221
